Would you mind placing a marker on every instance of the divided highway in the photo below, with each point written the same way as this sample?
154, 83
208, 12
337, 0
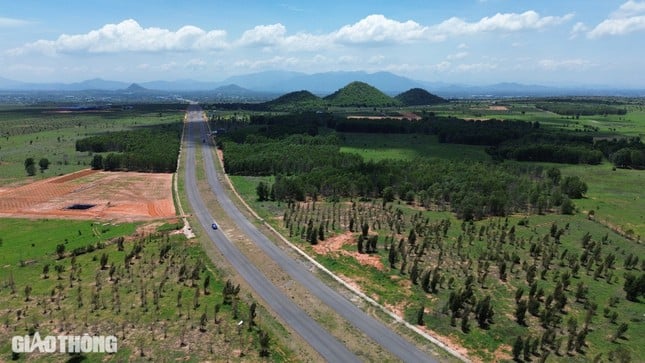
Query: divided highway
330, 348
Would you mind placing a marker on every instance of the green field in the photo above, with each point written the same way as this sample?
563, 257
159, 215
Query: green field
377, 147
157, 302
45, 133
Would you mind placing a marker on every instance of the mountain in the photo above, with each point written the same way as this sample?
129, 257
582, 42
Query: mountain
135, 88
321, 83
419, 97
360, 94
181, 85
300, 100
6, 83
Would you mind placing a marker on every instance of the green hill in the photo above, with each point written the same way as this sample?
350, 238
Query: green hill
295, 100
419, 97
359, 94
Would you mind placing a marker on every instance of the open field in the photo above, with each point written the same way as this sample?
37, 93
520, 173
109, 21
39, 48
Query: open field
377, 147
90, 194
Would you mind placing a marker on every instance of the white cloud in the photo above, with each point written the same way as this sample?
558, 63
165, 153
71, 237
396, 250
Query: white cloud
577, 29
377, 28
129, 36
508, 22
476, 67
459, 55
264, 35
566, 64
11, 23
629, 17
275, 62
629, 9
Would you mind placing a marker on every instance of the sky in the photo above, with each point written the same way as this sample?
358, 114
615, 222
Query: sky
547, 42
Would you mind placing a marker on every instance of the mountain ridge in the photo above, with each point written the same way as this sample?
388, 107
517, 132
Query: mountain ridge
327, 82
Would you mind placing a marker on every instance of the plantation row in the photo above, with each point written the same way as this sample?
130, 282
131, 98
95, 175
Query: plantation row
580, 108
147, 149
155, 294
514, 140
495, 278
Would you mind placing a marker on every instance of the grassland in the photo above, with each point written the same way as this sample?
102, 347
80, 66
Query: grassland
48, 133
377, 147
149, 301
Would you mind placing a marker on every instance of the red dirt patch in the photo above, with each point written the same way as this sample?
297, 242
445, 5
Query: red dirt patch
117, 196
335, 245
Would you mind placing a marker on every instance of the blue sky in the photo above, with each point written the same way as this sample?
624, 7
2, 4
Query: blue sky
566, 42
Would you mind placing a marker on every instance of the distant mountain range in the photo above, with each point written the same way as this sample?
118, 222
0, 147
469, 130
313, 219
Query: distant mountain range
322, 84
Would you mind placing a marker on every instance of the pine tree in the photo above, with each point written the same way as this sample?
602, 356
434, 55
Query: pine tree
518, 345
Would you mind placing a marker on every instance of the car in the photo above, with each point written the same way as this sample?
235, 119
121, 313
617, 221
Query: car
214, 225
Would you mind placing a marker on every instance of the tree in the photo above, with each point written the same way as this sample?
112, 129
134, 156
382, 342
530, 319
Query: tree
567, 206
264, 344
622, 328
60, 250
555, 175
44, 164
262, 190
388, 194
420, 313
30, 166
520, 312
634, 286
97, 162
517, 348
574, 187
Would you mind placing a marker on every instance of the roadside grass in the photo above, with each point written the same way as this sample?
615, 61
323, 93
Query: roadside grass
41, 133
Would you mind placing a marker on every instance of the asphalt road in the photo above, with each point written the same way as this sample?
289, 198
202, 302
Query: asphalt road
323, 343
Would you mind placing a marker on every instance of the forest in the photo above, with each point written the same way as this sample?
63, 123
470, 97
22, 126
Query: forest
308, 166
145, 149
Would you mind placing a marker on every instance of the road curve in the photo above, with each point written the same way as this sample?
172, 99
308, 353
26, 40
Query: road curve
324, 343
371, 327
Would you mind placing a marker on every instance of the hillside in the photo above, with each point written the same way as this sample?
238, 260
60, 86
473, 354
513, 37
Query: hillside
295, 100
419, 97
359, 94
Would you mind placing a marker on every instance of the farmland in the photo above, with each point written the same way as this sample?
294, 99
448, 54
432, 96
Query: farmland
51, 132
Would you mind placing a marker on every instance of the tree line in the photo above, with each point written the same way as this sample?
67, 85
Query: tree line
313, 166
146, 149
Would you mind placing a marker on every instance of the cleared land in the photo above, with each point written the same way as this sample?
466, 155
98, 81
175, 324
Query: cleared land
90, 194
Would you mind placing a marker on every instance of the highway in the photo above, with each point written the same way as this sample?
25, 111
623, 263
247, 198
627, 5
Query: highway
328, 346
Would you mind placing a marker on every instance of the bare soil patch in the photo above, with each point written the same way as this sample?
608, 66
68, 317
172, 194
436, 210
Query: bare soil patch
115, 196
335, 245
498, 108
404, 116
